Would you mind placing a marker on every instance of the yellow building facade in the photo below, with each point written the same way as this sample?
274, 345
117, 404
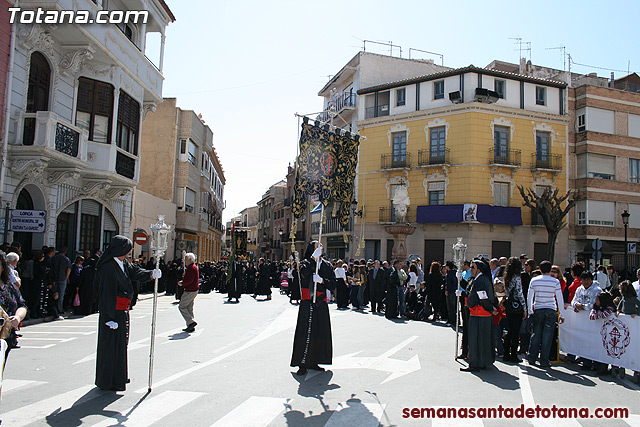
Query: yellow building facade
444, 158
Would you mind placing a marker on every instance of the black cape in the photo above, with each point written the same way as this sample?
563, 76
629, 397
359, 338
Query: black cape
236, 283
294, 288
111, 356
264, 283
312, 342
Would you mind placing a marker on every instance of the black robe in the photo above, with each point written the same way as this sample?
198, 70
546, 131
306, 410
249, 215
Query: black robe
264, 283
250, 280
312, 343
236, 283
88, 291
391, 302
111, 360
294, 289
481, 338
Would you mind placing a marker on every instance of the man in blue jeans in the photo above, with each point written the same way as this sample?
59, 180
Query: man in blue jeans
544, 300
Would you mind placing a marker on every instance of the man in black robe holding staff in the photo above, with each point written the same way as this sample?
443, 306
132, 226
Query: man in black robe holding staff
113, 278
312, 343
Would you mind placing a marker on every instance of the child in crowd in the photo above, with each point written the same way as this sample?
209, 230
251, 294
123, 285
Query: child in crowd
602, 309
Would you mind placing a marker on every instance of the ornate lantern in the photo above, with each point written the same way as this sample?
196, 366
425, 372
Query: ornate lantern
459, 252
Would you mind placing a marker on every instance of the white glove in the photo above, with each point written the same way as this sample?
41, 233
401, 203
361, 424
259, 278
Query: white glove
458, 293
317, 253
459, 275
112, 324
156, 274
317, 278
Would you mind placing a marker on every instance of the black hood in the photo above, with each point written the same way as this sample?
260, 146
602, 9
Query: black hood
119, 246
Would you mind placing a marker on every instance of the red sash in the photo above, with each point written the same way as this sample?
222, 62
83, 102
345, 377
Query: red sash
122, 303
306, 295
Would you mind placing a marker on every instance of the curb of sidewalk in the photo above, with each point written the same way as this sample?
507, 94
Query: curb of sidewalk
29, 322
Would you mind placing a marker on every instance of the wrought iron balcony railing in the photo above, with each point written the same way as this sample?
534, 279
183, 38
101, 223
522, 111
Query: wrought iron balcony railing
499, 156
546, 161
395, 160
434, 157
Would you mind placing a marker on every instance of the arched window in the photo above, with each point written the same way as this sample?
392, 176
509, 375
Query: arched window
39, 81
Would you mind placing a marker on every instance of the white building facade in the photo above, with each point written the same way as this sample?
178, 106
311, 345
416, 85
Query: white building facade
79, 94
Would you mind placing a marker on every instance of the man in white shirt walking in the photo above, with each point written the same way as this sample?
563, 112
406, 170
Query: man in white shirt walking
543, 300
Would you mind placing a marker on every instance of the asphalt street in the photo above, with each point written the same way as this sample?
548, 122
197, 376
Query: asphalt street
234, 371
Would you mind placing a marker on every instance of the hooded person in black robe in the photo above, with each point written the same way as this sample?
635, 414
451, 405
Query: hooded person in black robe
312, 343
236, 283
294, 289
481, 303
393, 282
264, 280
87, 290
114, 285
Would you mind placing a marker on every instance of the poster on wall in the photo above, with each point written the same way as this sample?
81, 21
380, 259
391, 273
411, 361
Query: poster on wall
470, 212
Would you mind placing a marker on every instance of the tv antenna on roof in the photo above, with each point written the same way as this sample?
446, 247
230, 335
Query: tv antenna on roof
520, 43
564, 55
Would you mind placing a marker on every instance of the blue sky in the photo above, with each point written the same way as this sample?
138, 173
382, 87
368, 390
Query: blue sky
248, 66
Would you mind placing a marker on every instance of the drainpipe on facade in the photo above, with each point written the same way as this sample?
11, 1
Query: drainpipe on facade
7, 110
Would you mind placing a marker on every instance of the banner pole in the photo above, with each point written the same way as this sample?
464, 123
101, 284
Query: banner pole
315, 285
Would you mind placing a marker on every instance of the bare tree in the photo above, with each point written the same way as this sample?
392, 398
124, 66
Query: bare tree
549, 206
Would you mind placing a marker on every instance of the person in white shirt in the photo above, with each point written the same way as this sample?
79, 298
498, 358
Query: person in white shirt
601, 277
586, 294
342, 291
543, 301
12, 260
636, 284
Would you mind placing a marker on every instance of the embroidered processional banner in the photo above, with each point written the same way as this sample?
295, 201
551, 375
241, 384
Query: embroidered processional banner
613, 340
240, 242
326, 167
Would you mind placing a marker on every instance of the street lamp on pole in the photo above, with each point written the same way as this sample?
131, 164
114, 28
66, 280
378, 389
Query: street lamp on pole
625, 221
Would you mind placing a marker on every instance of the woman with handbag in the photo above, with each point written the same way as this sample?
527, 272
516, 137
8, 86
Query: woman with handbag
12, 312
515, 308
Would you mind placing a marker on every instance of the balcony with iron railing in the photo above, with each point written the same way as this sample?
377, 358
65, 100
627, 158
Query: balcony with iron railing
44, 131
546, 161
67, 148
401, 160
434, 157
505, 157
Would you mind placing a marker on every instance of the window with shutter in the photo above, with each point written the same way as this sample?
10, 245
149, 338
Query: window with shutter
39, 80
94, 109
501, 194
128, 123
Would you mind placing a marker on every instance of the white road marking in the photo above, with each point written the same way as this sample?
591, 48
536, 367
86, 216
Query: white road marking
11, 385
286, 320
31, 328
29, 332
152, 410
356, 413
633, 420
135, 345
255, 411
396, 368
529, 402
37, 346
39, 410
48, 339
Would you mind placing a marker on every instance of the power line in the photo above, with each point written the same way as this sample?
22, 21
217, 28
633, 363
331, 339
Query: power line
598, 68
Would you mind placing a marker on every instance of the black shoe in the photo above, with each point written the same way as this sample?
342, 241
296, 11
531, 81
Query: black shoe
301, 371
469, 369
191, 327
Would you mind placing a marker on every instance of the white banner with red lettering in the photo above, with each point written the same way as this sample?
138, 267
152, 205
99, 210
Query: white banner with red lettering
613, 340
